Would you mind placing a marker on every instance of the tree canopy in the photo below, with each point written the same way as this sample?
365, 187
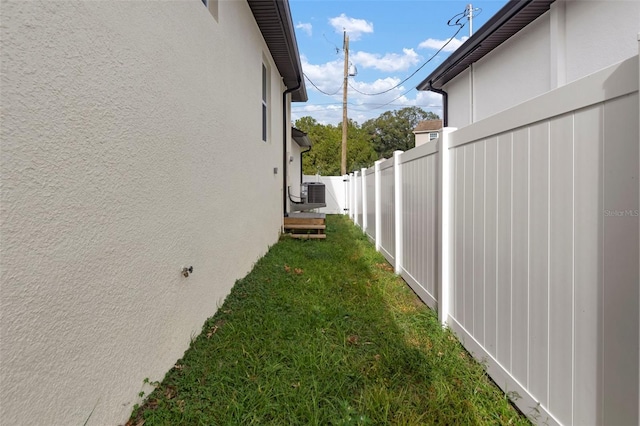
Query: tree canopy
375, 139
393, 130
324, 157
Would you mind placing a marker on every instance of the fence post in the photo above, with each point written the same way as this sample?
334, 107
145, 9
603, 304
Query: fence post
397, 206
345, 181
355, 197
378, 204
444, 270
350, 177
364, 199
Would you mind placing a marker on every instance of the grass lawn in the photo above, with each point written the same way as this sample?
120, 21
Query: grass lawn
323, 333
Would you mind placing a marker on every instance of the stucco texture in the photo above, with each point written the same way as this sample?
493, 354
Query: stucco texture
130, 147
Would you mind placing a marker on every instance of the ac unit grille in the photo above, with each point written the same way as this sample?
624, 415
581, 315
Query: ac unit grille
315, 192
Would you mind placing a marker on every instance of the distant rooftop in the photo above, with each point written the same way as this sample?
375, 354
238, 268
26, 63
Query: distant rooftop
428, 126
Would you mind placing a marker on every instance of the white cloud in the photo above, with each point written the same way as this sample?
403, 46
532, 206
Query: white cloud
323, 114
390, 62
306, 27
354, 27
328, 109
435, 44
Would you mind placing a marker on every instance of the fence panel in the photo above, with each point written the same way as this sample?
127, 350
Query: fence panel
523, 230
420, 225
371, 203
387, 193
335, 193
544, 194
358, 198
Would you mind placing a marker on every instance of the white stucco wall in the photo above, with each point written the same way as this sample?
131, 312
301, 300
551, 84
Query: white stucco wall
130, 147
526, 56
572, 40
421, 138
295, 177
600, 33
459, 90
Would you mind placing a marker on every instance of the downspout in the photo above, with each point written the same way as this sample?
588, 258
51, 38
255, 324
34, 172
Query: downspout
445, 103
285, 125
303, 152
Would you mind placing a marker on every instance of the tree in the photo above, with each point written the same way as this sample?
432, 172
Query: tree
324, 157
393, 130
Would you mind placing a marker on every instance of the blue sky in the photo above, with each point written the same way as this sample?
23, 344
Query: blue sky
389, 40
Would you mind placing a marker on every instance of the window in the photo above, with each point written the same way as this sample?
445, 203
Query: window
265, 92
433, 135
212, 5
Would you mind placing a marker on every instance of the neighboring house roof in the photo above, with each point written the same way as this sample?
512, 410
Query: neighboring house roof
274, 20
300, 137
513, 17
428, 126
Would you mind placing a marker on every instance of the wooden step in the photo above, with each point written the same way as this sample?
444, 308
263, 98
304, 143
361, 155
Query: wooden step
309, 236
304, 226
302, 221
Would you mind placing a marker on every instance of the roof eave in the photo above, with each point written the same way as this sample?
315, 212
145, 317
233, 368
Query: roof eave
276, 25
301, 138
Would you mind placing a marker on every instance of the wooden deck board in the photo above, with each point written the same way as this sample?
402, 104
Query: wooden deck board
304, 226
309, 236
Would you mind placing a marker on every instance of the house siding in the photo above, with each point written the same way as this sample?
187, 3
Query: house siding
526, 57
598, 34
128, 152
295, 177
459, 90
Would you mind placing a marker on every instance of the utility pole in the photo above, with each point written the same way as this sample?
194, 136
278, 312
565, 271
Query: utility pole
343, 166
470, 9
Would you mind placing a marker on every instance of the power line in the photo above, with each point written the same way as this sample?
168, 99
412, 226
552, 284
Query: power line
320, 90
466, 14
460, 26
456, 23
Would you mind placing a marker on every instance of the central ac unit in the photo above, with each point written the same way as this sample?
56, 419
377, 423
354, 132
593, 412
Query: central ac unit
313, 192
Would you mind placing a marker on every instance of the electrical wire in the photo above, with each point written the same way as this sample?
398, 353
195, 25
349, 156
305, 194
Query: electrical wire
460, 26
320, 90
457, 23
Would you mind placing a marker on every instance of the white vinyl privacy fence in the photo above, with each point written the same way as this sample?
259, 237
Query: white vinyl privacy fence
522, 230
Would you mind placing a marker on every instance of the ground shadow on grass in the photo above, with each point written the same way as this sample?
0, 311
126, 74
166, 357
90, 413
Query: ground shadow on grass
323, 332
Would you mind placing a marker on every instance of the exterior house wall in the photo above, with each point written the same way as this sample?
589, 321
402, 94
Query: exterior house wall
295, 176
128, 152
572, 40
598, 34
459, 90
421, 138
525, 55
424, 137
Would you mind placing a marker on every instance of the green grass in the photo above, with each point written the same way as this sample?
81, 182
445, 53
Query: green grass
323, 333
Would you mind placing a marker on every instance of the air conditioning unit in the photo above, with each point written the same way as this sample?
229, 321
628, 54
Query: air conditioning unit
313, 193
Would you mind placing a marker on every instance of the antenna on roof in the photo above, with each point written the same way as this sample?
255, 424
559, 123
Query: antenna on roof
469, 13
